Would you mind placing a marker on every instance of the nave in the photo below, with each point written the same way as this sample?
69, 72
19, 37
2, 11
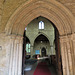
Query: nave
39, 67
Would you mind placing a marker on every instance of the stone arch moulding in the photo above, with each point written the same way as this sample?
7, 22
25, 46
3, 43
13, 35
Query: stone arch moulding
50, 9
41, 34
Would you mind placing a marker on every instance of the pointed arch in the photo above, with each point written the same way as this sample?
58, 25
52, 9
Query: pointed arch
50, 9
43, 35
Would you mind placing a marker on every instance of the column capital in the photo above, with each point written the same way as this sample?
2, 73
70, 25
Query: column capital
13, 37
31, 46
51, 45
73, 36
16, 38
67, 37
19, 37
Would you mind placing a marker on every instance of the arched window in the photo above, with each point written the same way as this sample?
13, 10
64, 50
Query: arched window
26, 28
41, 25
28, 47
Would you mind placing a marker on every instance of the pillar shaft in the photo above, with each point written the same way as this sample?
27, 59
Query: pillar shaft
11, 56
66, 51
31, 49
15, 63
1, 10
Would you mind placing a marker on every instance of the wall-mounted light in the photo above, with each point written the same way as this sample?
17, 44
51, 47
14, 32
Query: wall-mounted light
41, 41
26, 28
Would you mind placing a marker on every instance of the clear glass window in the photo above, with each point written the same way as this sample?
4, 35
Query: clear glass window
41, 25
28, 48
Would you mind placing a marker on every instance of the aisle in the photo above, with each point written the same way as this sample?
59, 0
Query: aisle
42, 69
39, 68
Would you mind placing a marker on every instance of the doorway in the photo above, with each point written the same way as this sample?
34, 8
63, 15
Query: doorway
43, 52
51, 40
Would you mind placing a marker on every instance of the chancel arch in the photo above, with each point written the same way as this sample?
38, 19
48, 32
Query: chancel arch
40, 33
40, 42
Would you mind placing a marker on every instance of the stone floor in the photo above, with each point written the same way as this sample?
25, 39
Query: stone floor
30, 68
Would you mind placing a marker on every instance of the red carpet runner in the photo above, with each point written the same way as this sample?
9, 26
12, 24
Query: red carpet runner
42, 69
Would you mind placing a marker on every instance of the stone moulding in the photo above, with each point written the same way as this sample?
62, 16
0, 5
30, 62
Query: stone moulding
52, 10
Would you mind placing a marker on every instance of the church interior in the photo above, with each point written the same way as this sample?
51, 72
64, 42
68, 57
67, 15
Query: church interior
37, 37
40, 45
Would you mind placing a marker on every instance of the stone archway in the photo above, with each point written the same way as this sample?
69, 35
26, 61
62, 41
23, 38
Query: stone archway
55, 12
52, 10
42, 34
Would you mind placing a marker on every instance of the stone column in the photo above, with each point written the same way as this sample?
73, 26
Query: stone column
73, 51
11, 55
14, 58
67, 61
63, 54
51, 47
20, 56
69, 52
1, 8
31, 49
15, 67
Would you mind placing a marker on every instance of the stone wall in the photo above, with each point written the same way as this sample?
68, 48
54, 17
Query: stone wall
3, 58
9, 7
39, 46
